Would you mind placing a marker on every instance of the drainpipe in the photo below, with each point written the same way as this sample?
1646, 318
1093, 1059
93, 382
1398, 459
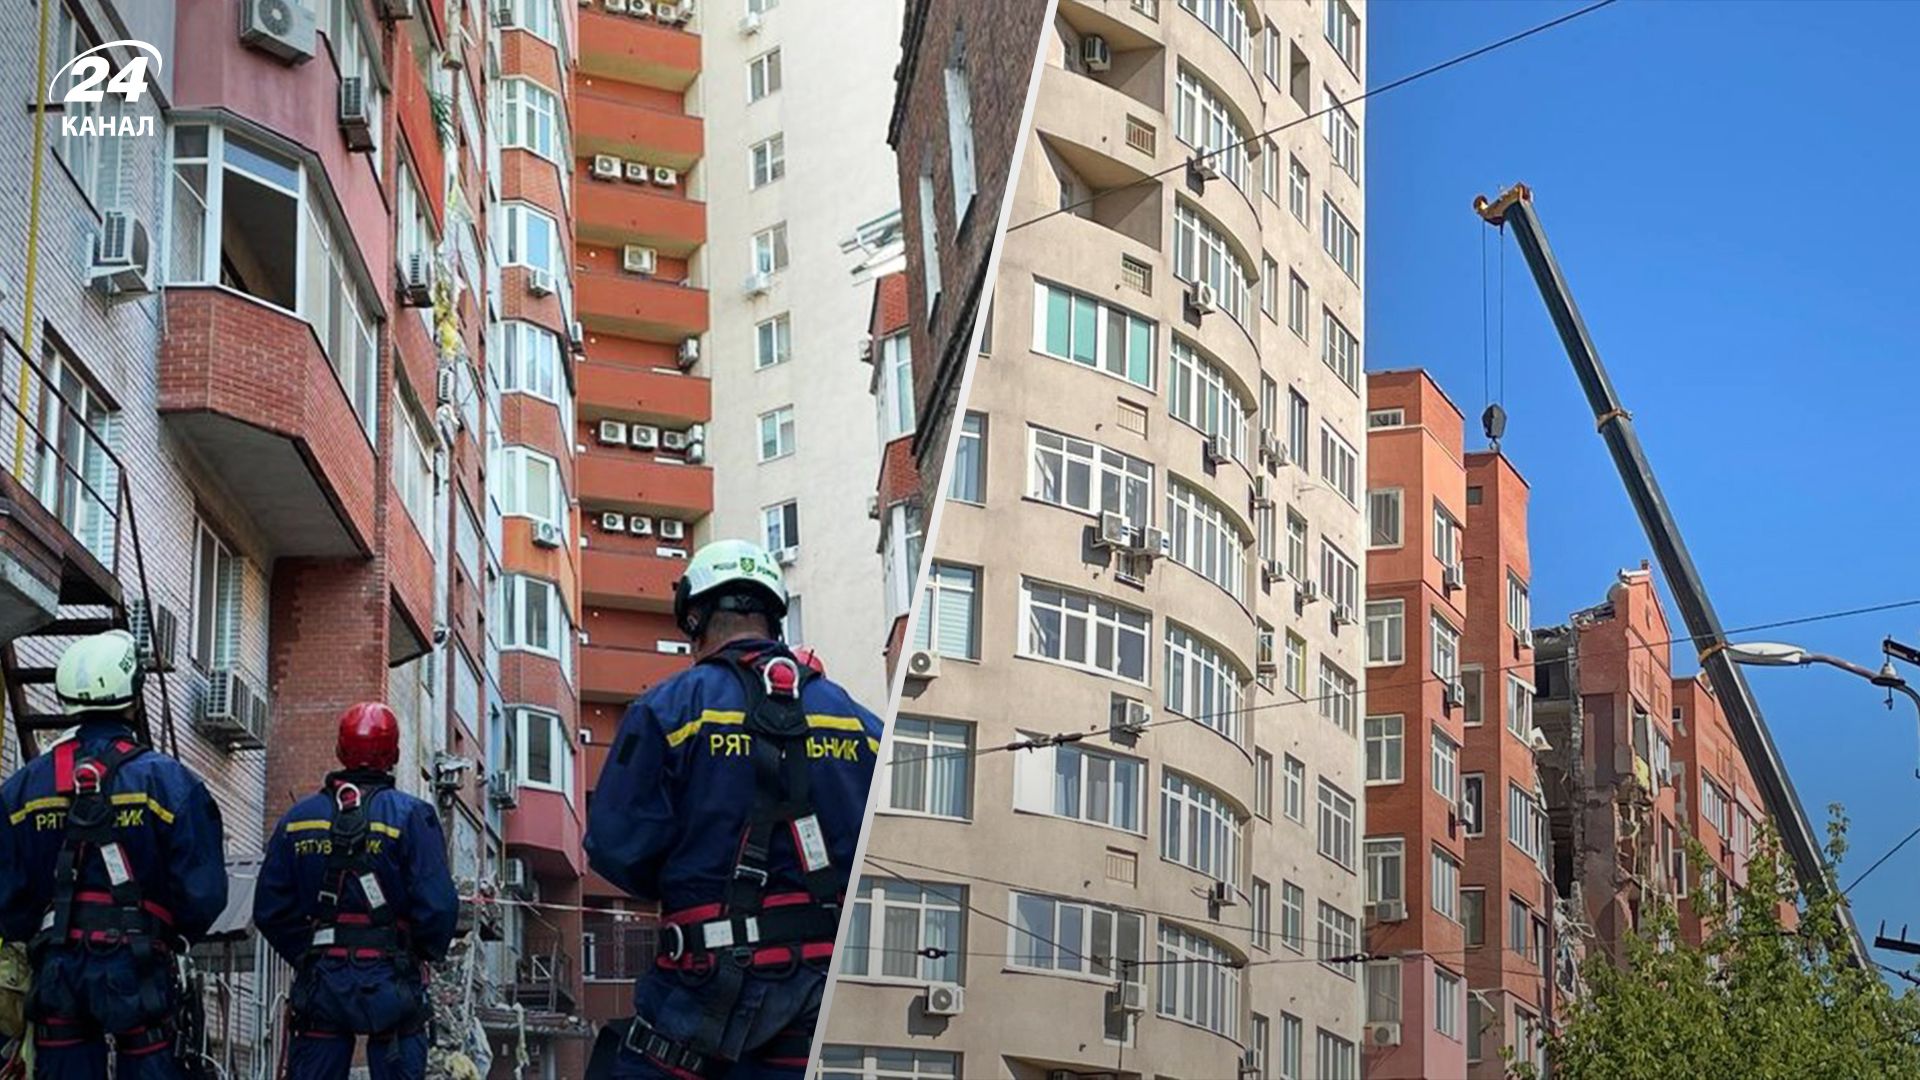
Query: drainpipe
33, 235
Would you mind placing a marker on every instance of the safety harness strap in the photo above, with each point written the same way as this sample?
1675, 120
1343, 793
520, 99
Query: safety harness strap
90, 829
350, 865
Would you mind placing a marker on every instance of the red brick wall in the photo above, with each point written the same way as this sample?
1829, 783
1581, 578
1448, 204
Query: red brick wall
329, 650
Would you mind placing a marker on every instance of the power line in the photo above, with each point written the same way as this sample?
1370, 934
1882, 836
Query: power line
1877, 863
1403, 80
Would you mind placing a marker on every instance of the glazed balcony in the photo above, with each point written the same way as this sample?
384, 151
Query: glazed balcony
641, 307
634, 481
638, 51
618, 674
545, 830
608, 124
615, 212
248, 390
648, 395
632, 579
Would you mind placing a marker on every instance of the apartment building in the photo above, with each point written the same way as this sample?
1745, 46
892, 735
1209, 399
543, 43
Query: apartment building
1148, 569
803, 170
898, 501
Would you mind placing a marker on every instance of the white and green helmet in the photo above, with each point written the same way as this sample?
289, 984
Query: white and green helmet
730, 568
99, 673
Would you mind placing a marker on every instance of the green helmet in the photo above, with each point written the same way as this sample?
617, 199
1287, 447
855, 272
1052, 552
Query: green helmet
99, 674
735, 575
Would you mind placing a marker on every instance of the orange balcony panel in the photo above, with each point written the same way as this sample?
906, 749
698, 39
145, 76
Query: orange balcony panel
605, 124
520, 555
634, 306
249, 390
545, 830
635, 50
628, 579
410, 573
648, 395
612, 674
638, 483
616, 212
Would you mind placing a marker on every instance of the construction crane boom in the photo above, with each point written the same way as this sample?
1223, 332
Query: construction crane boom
1514, 208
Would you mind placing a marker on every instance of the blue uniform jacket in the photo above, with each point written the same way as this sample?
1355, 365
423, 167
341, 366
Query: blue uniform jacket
408, 856
168, 827
674, 797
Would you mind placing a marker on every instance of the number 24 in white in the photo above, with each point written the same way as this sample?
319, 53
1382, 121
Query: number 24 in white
130, 82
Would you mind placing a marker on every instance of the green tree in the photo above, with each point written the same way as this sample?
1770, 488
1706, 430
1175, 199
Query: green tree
1757, 999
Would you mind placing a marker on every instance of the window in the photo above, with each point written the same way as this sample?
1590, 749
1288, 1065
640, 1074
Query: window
969, 482
1259, 1043
763, 75
1272, 57
1263, 784
1519, 612
1199, 829
1270, 170
1386, 632
1446, 885
1386, 870
950, 612
1526, 824
413, 468
532, 617
1205, 685
1339, 349
880, 1062
1293, 916
1380, 419
1473, 803
543, 750
1339, 464
1199, 981
1343, 33
781, 525
1260, 898
1070, 326
1446, 767
773, 341
528, 360
960, 138
761, 7
776, 433
1519, 707
1384, 515
1386, 749
1338, 697
1298, 429
1084, 631
929, 241
1203, 121
1298, 300
536, 17
76, 477
1079, 475
1446, 649
1083, 784
1294, 789
533, 238
1296, 665
1296, 546
931, 769
1340, 239
1473, 916
1339, 937
1519, 922
1292, 1043
1202, 253
1299, 189
767, 161
1269, 287
93, 158
895, 366
1049, 934
770, 249
1446, 538
1713, 804
1336, 824
1228, 21
530, 486
1470, 708
1383, 991
1447, 994
217, 596
894, 920
1201, 395
1334, 1057
1341, 132
1206, 540
530, 115
1339, 576
902, 536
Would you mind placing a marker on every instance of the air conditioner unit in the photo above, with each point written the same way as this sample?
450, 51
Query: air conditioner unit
666, 176
1309, 590
696, 452
546, 534
673, 648
503, 788
1274, 450
1222, 894
1201, 299
577, 337
1115, 531
446, 385
689, 354
455, 56
1342, 615
615, 7
1262, 498
1155, 543
1215, 449
945, 999
121, 253
673, 440
639, 9
1270, 571
640, 525
1129, 718
395, 10
873, 508
606, 167
416, 280
154, 628
1453, 693
786, 556
1454, 577
673, 529
923, 664
1095, 53
866, 348
514, 876
281, 28
1203, 167
1523, 638
635, 259
644, 437
1389, 911
539, 282
503, 16
613, 432
671, 552
637, 172
758, 283
613, 521
1133, 997
1383, 1034
672, 14
750, 24
233, 712
356, 123
1265, 663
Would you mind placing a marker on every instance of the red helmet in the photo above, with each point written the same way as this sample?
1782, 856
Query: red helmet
369, 737
807, 656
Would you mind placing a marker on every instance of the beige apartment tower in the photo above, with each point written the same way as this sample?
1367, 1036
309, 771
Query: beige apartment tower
1149, 569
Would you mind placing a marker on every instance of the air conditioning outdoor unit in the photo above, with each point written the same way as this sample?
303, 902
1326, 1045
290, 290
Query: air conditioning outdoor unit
546, 534
233, 712
1130, 717
614, 7
503, 13
577, 337
503, 788
1222, 894
635, 259
673, 648
613, 432
1274, 449
689, 354
873, 508
395, 10
666, 176
637, 172
1309, 590
513, 875
750, 24
280, 28
446, 385
673, 440
758, 283
1383, 1034
639, 9
1133, 997
923, 664
154, 628
1115, 531
672, 14
1155, 543
786, 556
1523, 638
606, 167
644, 437
673, 529
696, 452
671, 553
945, 999
539, 282
1215, 449
1342, 615
1202, 300
1454, 577
1203, 167
1453, 693
613, 521
121, 252
1389, 911
640, 525
416, 280
455, 56
356, 123
1270, 571
1095, 53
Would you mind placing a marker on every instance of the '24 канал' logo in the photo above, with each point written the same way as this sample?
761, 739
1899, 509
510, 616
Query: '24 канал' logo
92, 76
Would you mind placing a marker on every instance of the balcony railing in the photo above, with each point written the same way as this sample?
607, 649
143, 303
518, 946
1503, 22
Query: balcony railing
62, 455
620, 951
544, 980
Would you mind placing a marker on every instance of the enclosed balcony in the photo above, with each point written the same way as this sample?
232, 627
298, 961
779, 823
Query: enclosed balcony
635, 580
643, 307
637, 482
634, 50
607, 123
615, 673
616, 212
544, 829
647, 395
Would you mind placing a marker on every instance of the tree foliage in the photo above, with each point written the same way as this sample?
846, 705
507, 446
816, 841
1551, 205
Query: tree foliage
1756, 999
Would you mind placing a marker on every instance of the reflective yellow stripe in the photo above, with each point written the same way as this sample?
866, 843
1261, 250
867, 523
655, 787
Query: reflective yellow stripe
692, 727
873, 744
384, 829
52, 802
308, 826
835, 723
140, 798
61, 802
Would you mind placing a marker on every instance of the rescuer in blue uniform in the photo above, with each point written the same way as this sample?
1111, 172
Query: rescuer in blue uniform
110, 865
355, 894
733, 795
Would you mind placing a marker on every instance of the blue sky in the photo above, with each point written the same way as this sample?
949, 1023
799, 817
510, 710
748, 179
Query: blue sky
1729, 188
